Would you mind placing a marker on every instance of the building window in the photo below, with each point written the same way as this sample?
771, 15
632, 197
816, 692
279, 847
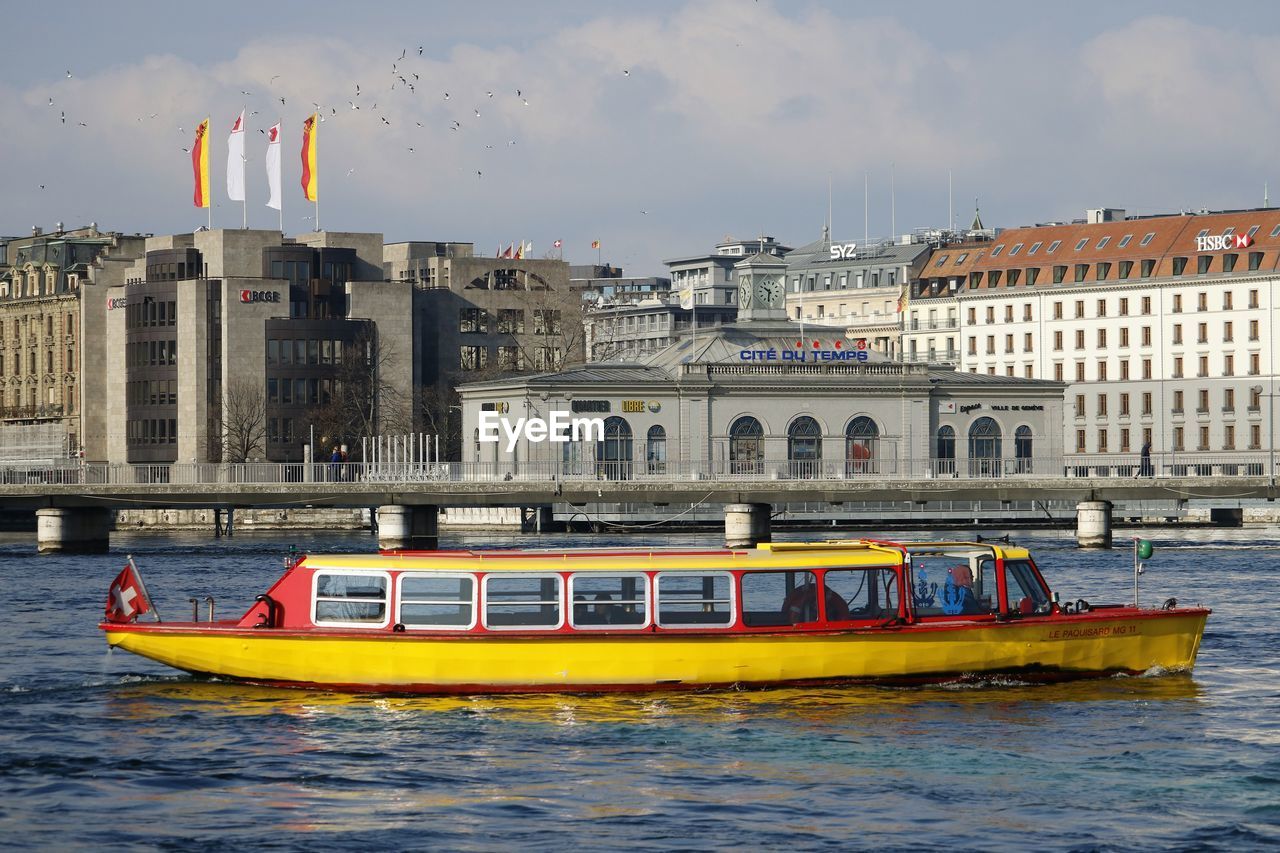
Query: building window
1102, 370
1202, 366
473, 358
1124, 404
1255, 261
1253, 332
1177, 367
1124, 337
1079, 371
1178, 442
1146, 336
984, 448
1177, 333
1179, 265
1228, 332
1202, 333
1229, 262
656, 450
1177, 402
1102, 441
1082, 270
1202, 301
1102, 270
1146, 368
1079, 309
1081, 444
1102, 339
1079, 338
1228, 399
1253, 300
1177, 303
746, 446
1126, 269
1228, 302
1204, 439
804, 448
1026, 312
946, 450
1203, 405
862, 446
1124, 369
1059, 273
1148, 267
1027, 342
1202, 264
1146, 402
1057, 371
1057, 310
1102, 406
1057, 339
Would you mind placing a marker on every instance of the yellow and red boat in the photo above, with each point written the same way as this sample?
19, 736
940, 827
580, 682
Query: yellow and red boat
643, 619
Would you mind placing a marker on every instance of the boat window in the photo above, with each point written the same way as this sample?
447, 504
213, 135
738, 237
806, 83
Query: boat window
609, 601
1023, 588
437, 601
862, 593
692, 600
522, 601
350, 599
779, 598
948, 585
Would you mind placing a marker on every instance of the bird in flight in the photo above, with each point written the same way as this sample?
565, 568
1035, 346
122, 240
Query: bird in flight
479, 173
64, 118
626, 73
354, 105
401, 55
477, 112
384, 121
243, 92
274, 77
446, 96
350, 172
282, 102
68, 73
419, 50
51, 102
490, 94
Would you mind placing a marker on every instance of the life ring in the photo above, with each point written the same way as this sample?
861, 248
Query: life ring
801, 605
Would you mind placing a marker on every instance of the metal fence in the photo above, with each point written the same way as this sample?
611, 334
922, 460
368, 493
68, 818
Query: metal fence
1110, 466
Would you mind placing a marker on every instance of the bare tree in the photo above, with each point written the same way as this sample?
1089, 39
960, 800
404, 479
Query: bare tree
364, 401
244, 421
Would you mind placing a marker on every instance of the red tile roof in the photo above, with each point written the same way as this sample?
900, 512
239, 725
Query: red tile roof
1165, 242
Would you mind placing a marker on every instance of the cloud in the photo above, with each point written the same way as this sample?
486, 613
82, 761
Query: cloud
730, 118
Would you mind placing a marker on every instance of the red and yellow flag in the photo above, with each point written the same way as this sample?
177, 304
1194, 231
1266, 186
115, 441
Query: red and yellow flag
309, 182
200, 164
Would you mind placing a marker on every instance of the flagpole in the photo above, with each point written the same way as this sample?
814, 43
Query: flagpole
137, 574
280, 123
244, 197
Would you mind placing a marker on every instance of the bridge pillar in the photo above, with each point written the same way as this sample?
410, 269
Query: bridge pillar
85, 530
407, 528
746, 524
1093, 524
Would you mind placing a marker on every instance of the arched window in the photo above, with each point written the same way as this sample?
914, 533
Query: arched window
746, 446
656, 450
862, 447
945, 451
1022, 449
984, 448
613, 455
804, 448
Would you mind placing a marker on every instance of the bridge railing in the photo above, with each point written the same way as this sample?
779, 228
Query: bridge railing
1079, 466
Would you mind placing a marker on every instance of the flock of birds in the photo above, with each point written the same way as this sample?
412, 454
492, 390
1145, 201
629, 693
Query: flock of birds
403, 79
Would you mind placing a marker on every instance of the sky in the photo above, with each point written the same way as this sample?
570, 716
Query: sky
657, 128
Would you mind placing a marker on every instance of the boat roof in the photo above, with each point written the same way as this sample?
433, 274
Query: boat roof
779, 555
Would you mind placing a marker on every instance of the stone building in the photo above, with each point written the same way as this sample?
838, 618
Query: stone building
755, 399
210, 332
43, 373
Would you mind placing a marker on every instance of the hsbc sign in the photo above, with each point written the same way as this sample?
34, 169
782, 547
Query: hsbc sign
1223, 242
259, 296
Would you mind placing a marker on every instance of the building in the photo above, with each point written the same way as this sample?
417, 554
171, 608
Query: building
753, 399
479, 316
711, 277
855, 287
42, 338
229, 345
1162, 326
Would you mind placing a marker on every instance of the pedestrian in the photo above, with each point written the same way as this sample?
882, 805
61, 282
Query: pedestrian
335, 463
1144, 467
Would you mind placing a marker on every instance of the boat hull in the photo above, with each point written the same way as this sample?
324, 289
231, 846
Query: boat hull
1047, 648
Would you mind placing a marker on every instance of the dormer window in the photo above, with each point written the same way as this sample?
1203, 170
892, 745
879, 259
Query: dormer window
1080, 245
996, 251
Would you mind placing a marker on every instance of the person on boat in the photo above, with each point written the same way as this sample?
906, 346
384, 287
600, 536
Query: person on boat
959, 597
603, 611
802, 604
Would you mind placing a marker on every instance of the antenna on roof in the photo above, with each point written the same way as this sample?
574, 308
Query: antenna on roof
828, 208
1266, 198
893, 204
866, 209
951, 209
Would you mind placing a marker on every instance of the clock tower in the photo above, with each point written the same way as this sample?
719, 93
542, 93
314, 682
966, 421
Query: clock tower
762, 286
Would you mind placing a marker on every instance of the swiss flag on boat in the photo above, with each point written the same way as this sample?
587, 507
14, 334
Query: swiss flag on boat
127, 597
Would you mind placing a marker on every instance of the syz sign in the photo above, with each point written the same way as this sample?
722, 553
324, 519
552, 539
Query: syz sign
844, 251
1223, 242
259, 296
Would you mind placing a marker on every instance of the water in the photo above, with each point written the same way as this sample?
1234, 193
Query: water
105, 749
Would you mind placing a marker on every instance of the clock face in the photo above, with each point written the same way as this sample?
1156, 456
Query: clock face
744, 294
770, 292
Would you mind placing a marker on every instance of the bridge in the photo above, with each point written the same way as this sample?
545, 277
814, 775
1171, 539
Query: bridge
73, 502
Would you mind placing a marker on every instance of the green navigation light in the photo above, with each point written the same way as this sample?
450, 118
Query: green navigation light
1145, 549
